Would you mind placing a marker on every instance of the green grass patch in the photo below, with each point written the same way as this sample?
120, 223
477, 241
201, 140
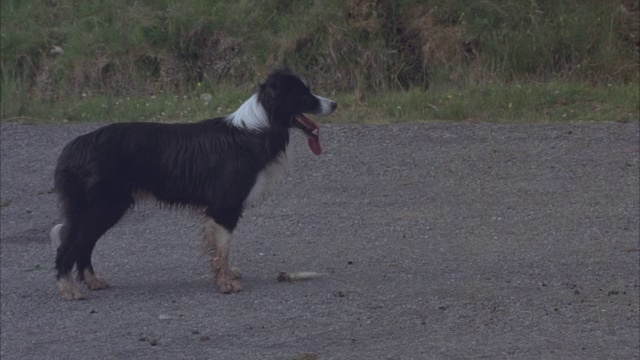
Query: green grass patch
528, 102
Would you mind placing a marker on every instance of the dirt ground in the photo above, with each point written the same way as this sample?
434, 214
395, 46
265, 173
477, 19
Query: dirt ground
439, 240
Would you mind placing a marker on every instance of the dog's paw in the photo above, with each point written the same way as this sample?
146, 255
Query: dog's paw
230, 287
68, 290
95, 282
236, 273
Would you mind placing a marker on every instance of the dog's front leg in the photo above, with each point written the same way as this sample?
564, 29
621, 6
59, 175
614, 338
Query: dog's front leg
217, 243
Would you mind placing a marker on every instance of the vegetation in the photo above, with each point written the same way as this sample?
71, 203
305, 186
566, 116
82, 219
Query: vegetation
384, 60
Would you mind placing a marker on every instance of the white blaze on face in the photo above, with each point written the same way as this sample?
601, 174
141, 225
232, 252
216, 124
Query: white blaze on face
250, 115
327, 106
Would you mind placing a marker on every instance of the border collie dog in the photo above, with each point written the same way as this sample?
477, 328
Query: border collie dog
217, 166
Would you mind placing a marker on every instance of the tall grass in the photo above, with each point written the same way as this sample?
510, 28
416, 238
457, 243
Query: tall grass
547, 39
363, 49
14, 96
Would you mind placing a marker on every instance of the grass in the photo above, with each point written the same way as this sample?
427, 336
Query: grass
162, 107
527, 102
384, 60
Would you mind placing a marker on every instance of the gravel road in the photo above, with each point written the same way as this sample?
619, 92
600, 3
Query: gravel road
439, 240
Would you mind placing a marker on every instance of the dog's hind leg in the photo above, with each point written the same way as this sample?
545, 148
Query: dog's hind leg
65, 236
217, 243
106, 207
88, 216
71, 190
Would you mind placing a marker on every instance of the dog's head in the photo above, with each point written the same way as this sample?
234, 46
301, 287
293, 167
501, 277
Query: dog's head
286, 98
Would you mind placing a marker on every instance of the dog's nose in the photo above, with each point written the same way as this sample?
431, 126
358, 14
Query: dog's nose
333, 105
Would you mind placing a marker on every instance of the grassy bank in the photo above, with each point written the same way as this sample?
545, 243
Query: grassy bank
529, 102
384, 60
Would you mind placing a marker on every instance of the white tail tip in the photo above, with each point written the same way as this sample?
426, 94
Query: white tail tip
55, 235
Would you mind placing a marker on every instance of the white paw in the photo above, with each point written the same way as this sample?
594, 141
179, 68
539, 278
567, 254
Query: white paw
68, 289
236, 273
95, 282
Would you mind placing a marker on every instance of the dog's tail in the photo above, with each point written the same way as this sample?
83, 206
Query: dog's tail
55, 236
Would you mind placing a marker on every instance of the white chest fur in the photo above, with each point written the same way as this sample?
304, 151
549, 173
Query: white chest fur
266, 180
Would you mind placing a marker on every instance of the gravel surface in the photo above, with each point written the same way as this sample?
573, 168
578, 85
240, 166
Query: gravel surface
437, 240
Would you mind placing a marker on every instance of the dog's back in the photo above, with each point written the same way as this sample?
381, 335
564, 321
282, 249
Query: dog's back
183, 163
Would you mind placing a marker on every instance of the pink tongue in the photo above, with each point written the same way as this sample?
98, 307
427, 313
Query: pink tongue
314, 145
311, 128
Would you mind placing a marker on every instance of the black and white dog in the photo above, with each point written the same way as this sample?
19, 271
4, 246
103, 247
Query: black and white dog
217, 166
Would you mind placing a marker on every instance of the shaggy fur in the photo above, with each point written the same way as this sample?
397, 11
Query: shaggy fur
219, 166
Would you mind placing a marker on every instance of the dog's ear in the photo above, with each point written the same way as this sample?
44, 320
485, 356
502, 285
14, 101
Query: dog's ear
275, 83
271, 87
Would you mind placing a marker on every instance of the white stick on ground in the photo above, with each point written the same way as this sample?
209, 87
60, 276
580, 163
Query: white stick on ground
298, 276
